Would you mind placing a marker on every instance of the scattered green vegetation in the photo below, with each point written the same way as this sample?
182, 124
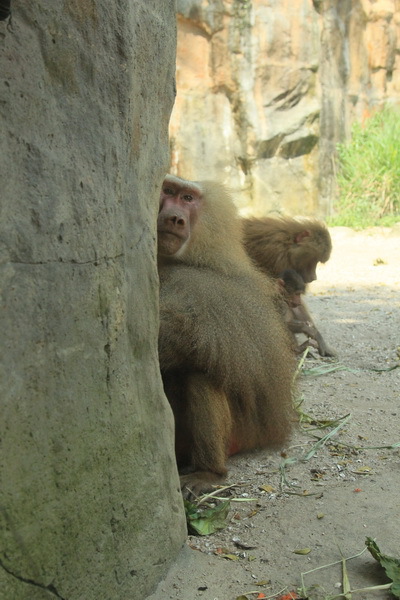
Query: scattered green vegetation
390, 564
369, 173
206, 520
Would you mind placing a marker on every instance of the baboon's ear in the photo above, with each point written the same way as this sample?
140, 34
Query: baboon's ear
300, 237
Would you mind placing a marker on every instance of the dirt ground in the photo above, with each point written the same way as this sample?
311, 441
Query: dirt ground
326, 504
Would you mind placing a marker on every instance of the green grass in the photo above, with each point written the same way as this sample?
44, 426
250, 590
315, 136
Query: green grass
369, 173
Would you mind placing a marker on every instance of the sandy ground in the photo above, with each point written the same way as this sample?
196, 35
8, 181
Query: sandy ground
350, 488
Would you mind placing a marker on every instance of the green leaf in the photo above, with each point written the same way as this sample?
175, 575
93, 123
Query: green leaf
206, 521
389, 563
302, 551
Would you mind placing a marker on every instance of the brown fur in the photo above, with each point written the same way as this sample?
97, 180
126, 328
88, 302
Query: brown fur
272, 242
292, 286
279, 243
224, 352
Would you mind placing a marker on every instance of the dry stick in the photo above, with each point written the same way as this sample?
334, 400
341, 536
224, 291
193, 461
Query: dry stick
389, 447
268, 597
325, 369
337, 562
321, 442
347, 591
373, 588
236, 499
300, 364
213, 495
346, 582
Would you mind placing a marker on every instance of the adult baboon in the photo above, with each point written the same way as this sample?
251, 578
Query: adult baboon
225, 353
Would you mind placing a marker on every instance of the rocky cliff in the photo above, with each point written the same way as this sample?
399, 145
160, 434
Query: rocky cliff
267, 88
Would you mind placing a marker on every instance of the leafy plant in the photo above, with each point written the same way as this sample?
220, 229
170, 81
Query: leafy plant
203, 521
389, 563
369, 173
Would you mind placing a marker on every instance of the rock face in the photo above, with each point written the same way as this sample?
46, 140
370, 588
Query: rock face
267, 88
90, 500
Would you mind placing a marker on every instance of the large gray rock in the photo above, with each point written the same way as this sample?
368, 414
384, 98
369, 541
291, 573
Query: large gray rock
90, 503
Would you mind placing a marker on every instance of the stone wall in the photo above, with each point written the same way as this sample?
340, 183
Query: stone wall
90, 500
266, 89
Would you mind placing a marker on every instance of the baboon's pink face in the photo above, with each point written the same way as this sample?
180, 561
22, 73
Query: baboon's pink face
179, 210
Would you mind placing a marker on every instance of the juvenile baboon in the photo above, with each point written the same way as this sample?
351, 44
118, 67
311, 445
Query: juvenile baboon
292, 286
279, 243
225, 355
